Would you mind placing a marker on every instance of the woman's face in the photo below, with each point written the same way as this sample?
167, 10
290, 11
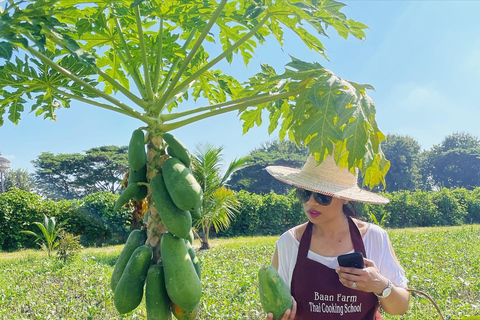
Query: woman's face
316, 212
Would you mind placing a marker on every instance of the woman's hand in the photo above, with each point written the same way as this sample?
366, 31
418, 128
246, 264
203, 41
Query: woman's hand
367, 279
288, 315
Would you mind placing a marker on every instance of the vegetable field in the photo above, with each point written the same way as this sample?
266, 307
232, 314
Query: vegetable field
442, 262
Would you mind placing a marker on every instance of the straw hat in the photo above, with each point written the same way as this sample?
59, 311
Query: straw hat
326, 178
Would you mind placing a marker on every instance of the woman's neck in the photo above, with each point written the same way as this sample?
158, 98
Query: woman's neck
333, 228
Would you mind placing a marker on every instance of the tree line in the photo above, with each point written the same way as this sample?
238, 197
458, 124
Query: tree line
454, 163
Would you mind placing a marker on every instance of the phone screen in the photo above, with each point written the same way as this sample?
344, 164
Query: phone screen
351, 260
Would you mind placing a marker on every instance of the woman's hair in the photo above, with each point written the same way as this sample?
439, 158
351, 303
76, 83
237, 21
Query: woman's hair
349, 210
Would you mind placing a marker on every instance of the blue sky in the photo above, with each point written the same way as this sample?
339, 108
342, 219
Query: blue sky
422, 57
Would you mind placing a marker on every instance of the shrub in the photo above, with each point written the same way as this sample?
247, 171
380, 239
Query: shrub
68, 246
18, 211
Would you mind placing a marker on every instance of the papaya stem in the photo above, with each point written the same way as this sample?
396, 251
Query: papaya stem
132, 71
71, 76
192, 52
220, 57
160, 104
107, 77
246, 103
146, 73
158, 66
132, 113
173, 116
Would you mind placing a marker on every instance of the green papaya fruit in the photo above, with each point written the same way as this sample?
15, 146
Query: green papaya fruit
129, 193
182, 186
275, 296
177, 149
137, 157
129, 291
181, 280
196, 214
177, 221
139, 176
193, 257
156, 299
191, 237
135, 239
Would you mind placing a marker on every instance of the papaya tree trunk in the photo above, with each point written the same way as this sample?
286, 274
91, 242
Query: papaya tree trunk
155, 158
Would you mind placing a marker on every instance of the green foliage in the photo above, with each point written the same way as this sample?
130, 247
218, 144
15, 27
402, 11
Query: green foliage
92, 218
72, 176
68, 246
270, 214
403, 153
48, 238
88, 52
443, 262
18, 178
454, 163
219, 203
18, 211
255, 179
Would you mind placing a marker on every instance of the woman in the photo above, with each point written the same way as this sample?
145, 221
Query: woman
306, 255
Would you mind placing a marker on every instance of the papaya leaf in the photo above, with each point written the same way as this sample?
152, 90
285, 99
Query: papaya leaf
6, 50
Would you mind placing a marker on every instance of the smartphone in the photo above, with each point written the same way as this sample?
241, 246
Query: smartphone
351, 260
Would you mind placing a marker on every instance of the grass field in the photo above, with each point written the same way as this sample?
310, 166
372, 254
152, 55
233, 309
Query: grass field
443, 262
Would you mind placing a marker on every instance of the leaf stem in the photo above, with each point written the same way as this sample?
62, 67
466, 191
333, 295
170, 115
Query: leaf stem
131, 70
107, 77
146, 73
173, 116
221, 56
159, 104
133, 113
169, 93
71, 76
245, 103
158, 66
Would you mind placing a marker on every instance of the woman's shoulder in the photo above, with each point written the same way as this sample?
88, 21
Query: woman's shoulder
292, 235
370, 231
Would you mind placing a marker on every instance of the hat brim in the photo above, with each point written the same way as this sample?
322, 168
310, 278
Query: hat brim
299, 179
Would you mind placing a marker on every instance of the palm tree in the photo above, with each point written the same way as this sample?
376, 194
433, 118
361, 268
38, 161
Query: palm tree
219, 203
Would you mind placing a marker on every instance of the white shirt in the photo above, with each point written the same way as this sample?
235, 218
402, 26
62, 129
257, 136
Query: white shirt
377, 247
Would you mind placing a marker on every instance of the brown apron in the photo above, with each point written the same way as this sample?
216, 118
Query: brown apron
320, 294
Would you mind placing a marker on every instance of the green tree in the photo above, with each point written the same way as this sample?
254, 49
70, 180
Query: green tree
18, 178
403, 153
454, 163
255, 179
143, 58
73, 176
219, 203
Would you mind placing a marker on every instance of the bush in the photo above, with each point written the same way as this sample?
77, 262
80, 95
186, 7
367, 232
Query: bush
18, 210
68, 246
92, 218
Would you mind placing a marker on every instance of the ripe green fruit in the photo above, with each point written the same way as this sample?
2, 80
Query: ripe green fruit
129, 291
156, 299
177, 221
182, 186
275, 296
137, 157
177, 149
130, 191
181, 280
135, 239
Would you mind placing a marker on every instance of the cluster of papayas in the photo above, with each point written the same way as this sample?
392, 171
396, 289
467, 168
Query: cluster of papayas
137, 178
175, 285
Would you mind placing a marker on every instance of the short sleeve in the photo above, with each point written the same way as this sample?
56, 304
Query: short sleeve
380, 250
287, 249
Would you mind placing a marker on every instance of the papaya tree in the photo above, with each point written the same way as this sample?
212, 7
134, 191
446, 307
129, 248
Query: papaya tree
143, 59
